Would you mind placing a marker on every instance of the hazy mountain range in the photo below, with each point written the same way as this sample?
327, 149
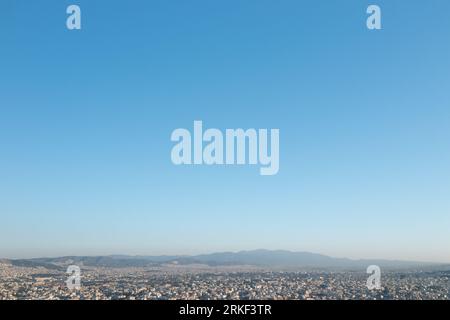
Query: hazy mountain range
259, 258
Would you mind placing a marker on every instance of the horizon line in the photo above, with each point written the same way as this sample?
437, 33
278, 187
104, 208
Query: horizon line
227, 251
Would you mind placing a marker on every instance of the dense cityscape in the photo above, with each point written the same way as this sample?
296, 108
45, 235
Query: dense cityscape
168, 283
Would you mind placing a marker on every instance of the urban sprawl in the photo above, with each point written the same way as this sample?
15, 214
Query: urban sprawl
169, 283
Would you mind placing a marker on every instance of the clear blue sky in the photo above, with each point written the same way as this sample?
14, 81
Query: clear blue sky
86, 118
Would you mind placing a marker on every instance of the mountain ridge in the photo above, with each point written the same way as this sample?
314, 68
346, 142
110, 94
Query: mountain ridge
259, 258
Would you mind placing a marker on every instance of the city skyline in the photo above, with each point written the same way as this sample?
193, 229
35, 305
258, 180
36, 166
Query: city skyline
25, 283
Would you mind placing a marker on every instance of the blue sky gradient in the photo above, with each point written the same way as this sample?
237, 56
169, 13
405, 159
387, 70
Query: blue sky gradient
86, 118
